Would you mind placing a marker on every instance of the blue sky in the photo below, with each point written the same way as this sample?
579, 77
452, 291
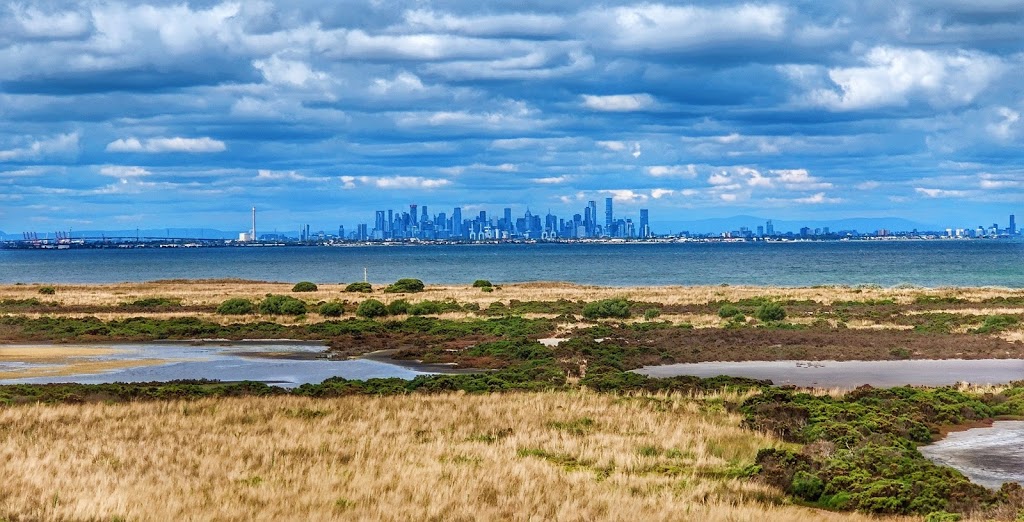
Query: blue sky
123, 115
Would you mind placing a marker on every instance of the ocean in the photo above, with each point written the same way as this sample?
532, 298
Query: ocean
886, 263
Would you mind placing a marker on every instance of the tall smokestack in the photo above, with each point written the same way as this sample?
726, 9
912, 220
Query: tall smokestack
253, 223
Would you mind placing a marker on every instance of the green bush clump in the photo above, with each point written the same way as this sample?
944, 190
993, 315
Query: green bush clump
405, 286
332, 309
807, 486
359, 287
769, 312
728, 310
304, 286
282, 305
482, 283
652, 313
371, 308
996, 324
607, 308
434, 307
398, 307
47, 290
236, 306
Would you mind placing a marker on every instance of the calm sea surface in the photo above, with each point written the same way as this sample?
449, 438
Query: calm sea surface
921, 263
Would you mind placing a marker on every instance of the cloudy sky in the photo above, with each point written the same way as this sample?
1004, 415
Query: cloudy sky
122, 115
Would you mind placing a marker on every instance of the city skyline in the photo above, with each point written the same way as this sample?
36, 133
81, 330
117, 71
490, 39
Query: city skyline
121, 115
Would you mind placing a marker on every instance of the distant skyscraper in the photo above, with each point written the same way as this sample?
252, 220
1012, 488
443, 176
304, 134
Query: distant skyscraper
608, 216
457, 221
508, 220
645, 223
769, 228
379, 223
592, 205
1013, 225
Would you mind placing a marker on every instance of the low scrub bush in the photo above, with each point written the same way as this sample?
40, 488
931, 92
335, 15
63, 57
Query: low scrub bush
770, 312
398, 307
332, 309
304, 286
618, 308
236, 306
727, 311
482, 283
153, 303
405, 286
282, 305
360, 287
47, 290
371, 308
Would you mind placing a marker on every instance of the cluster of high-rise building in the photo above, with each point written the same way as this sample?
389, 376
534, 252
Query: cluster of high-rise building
419, 223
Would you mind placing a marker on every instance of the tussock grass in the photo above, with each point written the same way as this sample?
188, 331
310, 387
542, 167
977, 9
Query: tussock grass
213, 292
538, 456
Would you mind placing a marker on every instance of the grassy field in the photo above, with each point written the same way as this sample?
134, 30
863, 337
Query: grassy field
536, 456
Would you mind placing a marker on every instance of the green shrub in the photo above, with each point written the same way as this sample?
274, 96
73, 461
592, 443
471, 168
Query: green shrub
398, 307
943, 516
405, 286
482, 283
807, 486
47, 290
282, 305
652, 313
728, 310
487, 289
770, 312
236, 306
996, 324
371, 308
332, 309
360, 287
153, 302
607, 308
304, 286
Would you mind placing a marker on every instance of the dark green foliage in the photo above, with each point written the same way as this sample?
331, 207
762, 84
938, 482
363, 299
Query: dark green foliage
236, 306
359, 287
122, 392
482, 283
727, 311
807, 486
371, 308
398, 307
873, 464
304, 286
652, 313
940, 300
997, 323
618, 308
405, 286
514, 349
282, 305
770, 312
47, 290
332, 309
434, 307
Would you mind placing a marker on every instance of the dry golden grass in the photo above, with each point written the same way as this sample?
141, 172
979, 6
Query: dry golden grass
213, 292
445, 457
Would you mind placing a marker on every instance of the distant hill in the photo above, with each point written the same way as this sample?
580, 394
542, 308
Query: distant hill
715, 225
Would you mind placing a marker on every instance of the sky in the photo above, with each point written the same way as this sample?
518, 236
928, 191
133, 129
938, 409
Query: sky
122, 115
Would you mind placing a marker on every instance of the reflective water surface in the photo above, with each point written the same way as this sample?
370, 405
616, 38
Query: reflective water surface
987, 456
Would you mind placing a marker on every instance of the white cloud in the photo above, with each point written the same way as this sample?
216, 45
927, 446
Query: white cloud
37, 24
123, 171
403, 83
728, 197
658, 27
940, 193
868, 185
348, 182
1000, 182
893, 76
720, 178
614, 146
660, 193
281, 71
557, 180
625, 195
684, 171
618, 102
636, 150
817, 199
60, 144
1006, 127
490, 25
159, 145
404, 182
